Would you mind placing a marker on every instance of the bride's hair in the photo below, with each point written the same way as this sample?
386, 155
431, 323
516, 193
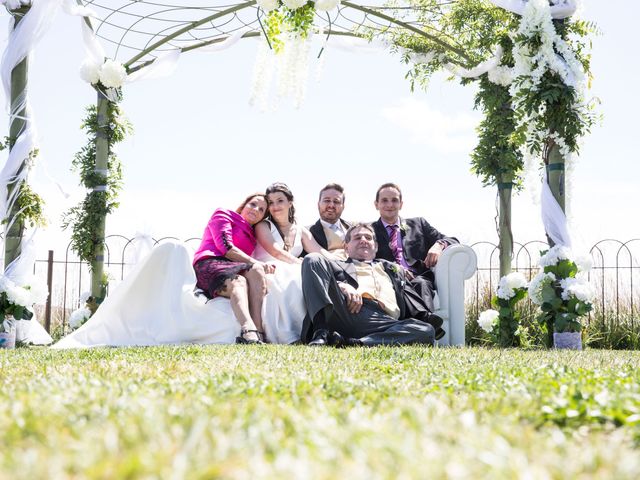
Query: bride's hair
251, 197
284, 189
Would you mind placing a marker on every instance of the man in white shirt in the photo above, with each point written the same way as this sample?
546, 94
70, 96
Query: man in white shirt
330, 229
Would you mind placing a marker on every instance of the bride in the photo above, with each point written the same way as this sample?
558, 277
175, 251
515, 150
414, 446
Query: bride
281, 241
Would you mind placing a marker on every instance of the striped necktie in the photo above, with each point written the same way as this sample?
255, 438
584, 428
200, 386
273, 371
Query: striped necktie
394, 243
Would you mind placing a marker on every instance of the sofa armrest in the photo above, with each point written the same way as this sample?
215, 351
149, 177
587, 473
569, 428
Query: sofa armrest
456, 264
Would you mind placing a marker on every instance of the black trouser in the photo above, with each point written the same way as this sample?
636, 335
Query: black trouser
327, 309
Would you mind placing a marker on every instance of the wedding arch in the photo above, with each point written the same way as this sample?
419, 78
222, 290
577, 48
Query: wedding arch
529, 59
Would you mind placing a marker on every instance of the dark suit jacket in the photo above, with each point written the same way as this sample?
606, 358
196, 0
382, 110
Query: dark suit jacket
417, 238
345, 271
317, 231
408, 300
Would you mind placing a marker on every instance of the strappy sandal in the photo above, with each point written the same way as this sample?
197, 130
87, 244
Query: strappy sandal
245, 341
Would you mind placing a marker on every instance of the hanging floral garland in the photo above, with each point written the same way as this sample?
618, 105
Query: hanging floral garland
86, 216
284, 54
108, 79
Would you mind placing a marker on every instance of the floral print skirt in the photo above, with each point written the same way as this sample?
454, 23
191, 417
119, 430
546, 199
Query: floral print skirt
212, 272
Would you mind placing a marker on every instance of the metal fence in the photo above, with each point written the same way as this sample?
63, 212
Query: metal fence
615, 274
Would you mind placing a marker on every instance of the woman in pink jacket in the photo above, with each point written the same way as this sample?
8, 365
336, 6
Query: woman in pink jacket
224, 266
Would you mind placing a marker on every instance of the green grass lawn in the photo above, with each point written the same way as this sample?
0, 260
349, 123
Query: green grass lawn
298, 412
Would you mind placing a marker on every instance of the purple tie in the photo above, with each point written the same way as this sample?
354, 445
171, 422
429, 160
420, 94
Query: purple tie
394, 243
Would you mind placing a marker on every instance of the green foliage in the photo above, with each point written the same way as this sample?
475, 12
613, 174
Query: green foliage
86, 217
496, 153
467, 32
29, 206
509, 319
283, 20
282, 411
560, 314
273, 29
464, 32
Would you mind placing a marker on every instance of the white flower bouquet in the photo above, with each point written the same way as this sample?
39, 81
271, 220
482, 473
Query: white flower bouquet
503, 322
16, 302
562, 290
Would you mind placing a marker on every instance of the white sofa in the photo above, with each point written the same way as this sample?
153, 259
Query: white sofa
456, 264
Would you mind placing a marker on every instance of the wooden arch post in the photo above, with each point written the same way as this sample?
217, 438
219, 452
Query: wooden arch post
554, 163
98, 284
505, 185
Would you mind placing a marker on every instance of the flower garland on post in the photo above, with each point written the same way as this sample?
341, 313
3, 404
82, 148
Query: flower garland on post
562, 290
100, 171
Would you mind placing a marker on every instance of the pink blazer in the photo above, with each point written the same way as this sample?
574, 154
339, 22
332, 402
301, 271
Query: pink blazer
225, 229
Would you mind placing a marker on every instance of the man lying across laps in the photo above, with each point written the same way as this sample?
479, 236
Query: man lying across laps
361, 301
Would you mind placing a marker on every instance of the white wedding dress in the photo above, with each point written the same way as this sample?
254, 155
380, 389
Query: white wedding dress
284, 309
156, 305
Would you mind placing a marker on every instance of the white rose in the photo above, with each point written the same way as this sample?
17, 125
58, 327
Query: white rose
578, 288
554, 255
488, 319
326, 5
509, 283
112, 74
268, 5
294, 4
584, 263
90, 71
19, 296
78, 317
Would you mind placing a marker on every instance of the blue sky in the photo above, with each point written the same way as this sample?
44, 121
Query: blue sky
199, 145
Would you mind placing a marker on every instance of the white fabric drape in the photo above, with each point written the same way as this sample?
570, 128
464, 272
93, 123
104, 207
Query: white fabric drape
162, 66
561, 9
25, 37
553, 218
479, 69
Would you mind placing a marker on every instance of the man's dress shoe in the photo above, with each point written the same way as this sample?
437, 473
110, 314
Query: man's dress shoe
320, 337
436, 320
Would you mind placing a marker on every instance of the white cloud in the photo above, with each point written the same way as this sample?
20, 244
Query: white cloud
447, 132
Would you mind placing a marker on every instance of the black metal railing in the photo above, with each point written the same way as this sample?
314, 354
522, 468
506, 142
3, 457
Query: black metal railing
615, 274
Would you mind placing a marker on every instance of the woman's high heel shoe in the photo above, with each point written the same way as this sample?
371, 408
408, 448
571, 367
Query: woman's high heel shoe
246, 341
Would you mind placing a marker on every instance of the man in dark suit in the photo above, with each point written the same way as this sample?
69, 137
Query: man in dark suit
409, 242
330, 229
360, 301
